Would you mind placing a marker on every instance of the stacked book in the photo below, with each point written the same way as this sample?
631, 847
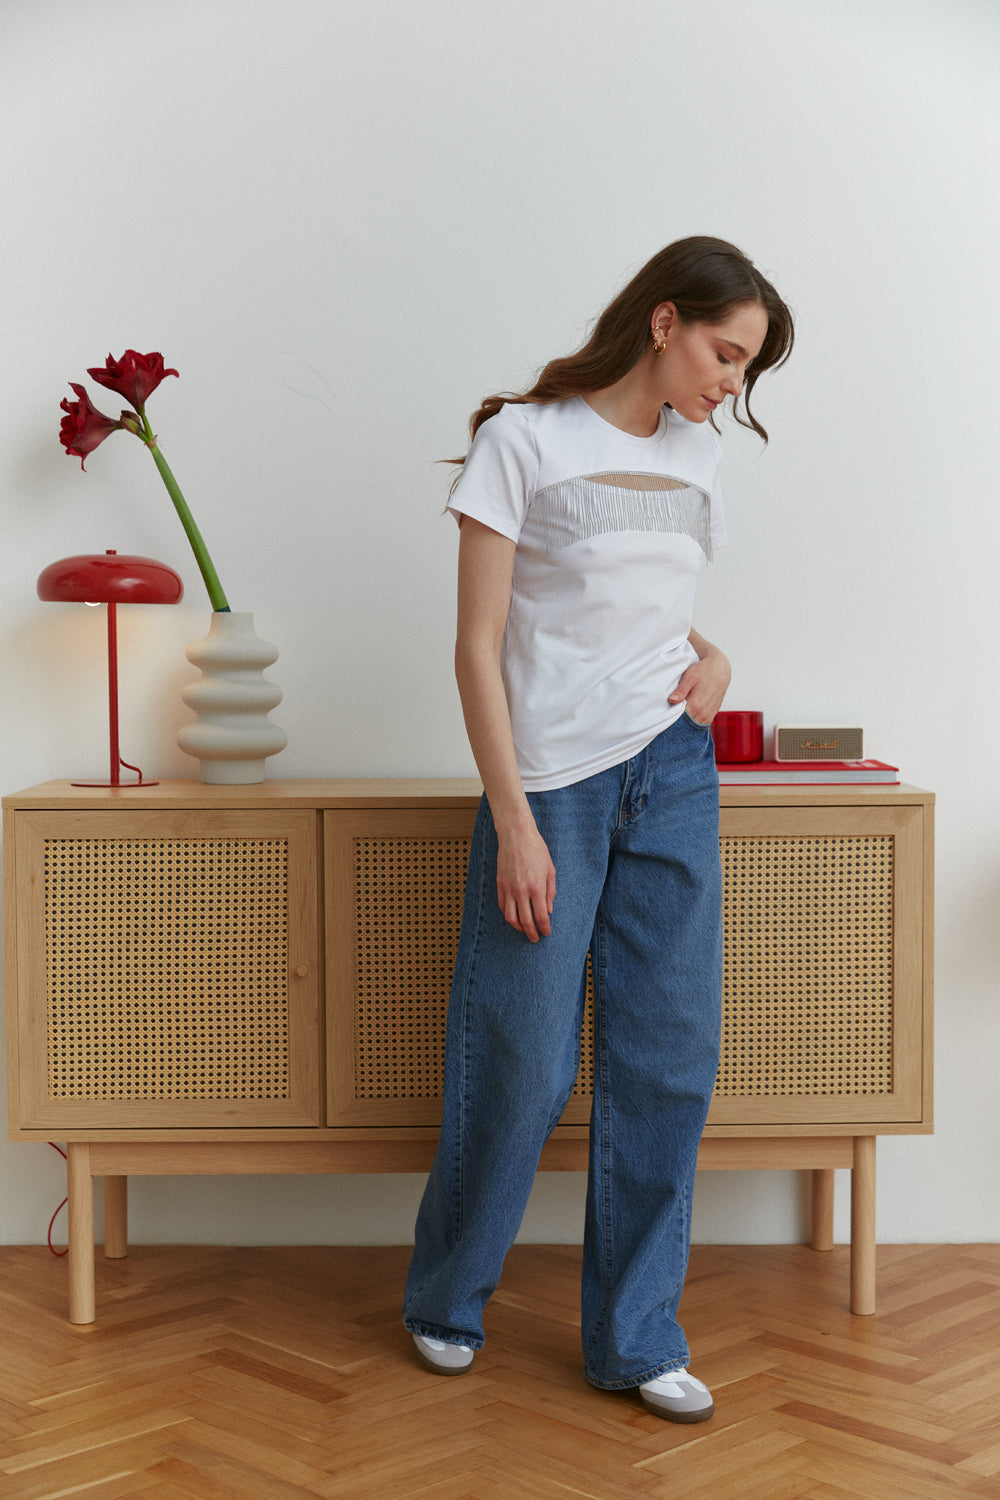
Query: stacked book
808, 773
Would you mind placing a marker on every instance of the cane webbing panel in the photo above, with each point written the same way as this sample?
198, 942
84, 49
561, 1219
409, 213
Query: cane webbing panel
807, 988
408, 895
167, 968
807, 994
408, 905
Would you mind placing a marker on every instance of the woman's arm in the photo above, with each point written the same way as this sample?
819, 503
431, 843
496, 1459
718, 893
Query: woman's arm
705, 682
526, 877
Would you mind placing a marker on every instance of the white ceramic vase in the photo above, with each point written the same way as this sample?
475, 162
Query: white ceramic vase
231, 735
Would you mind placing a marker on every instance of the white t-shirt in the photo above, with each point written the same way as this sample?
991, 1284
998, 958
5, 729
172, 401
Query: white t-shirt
612, 532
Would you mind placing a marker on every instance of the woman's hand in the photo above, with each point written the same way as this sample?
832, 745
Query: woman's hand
703, 686
526, 881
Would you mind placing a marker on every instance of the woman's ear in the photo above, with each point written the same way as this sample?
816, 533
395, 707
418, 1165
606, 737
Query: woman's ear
662, 318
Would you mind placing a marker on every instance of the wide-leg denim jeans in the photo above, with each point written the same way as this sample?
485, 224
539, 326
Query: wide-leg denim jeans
636, 851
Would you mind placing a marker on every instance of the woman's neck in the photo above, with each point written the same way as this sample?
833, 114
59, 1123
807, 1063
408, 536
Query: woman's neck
632, 403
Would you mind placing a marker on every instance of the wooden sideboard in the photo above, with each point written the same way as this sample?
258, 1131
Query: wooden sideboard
254, 979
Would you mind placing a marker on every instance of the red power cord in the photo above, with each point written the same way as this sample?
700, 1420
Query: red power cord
59, 1209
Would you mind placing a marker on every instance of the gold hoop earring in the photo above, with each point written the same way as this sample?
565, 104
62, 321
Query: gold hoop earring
659, 344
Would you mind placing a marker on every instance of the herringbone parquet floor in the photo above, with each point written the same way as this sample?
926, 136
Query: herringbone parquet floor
261, 1374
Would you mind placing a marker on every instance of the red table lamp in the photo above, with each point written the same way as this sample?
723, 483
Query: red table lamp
106, 578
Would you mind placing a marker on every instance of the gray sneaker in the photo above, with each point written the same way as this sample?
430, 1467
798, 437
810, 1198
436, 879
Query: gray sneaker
678, 1396
443, 1359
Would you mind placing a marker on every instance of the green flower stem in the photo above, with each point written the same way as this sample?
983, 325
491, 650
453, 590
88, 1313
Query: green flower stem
194, 536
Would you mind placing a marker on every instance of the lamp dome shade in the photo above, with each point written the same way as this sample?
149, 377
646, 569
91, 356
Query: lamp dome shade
110, 578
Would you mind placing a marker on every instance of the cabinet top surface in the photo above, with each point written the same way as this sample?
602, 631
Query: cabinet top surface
395, 792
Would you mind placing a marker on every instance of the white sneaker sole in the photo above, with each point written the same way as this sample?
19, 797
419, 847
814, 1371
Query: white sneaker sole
678, 1397
443, 1359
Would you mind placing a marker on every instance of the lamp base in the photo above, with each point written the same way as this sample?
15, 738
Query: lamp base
117, 764
130, 785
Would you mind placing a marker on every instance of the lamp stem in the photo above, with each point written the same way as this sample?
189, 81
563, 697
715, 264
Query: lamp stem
113, 693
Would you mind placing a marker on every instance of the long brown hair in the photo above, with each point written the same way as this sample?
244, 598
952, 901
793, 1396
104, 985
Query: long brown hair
706, 279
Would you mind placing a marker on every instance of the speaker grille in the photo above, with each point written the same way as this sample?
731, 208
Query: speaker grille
807, 996
167, 968
807, 989
818, 742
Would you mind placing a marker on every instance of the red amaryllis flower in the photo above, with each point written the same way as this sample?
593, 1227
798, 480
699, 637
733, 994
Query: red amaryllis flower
135, 376
83, 427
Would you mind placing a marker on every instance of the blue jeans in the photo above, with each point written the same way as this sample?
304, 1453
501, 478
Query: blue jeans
636, 851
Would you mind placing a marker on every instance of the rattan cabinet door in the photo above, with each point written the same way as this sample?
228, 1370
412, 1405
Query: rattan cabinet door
166, 969
395, 880
394, 884
825, 994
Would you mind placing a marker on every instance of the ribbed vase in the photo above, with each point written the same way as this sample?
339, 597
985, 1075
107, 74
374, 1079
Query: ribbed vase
231, 736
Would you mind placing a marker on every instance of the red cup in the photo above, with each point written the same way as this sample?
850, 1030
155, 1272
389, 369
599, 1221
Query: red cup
739, 736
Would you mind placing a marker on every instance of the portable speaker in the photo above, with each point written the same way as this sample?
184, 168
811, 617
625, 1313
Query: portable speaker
818, 742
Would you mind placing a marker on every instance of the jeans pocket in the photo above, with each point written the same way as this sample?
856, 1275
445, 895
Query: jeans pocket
696, 724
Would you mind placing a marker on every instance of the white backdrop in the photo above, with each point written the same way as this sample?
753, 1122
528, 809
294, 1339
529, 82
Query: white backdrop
344, 224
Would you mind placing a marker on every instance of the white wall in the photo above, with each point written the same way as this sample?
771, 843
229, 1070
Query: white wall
344, 224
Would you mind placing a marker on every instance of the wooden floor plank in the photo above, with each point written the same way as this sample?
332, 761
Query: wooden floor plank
860, 1475
117, 1487
215, 1372
34, 1450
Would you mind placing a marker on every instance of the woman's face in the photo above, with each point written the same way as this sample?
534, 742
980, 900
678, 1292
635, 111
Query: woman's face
703, 363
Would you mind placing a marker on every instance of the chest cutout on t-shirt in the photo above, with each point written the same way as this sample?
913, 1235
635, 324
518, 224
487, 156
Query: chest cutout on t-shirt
591, 505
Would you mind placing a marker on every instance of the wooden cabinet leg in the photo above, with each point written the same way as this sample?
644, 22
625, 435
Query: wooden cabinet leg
80, 1192
822, 1208
863, 1226
115, 1217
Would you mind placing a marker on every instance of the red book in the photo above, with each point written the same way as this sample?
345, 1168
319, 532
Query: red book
808, 773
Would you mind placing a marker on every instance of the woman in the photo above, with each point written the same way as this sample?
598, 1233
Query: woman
587, 509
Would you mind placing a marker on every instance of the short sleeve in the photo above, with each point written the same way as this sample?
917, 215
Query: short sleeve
499, 475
